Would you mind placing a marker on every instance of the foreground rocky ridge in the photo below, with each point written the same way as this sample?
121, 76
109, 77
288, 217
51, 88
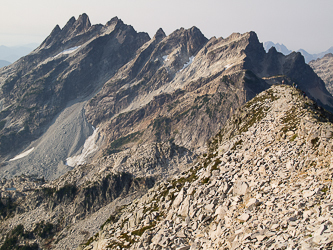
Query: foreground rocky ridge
265, 184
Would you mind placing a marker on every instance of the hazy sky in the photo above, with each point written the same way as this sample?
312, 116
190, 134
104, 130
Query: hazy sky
306, 24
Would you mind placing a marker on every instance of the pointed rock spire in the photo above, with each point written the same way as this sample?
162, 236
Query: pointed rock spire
159, 34
82, 23
113, 21
56, 30
272, 50
69, 24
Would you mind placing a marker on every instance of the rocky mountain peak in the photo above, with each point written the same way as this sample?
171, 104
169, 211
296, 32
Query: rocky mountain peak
82, 23
272, 50
69, 24
113, 21
159, 35
328, 55
55, 31
75, 27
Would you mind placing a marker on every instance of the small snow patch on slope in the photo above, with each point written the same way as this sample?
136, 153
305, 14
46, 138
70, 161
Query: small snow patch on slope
68, 51
191, 59
228, 66
165, 58
89, 147
22, 155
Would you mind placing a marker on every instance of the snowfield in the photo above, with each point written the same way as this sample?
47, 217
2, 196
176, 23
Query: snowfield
165, 58
22, 155
68, 51
191, 59
88, 148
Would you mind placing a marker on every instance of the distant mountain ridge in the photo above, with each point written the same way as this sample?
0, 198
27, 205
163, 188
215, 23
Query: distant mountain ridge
128, 85
4, 63
11, 54
307, 56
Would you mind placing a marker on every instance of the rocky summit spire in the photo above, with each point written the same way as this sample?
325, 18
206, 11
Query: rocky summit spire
159, 34
113, 20
69, 24
82, 23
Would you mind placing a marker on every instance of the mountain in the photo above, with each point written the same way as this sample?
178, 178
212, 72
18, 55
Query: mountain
324, 69
129, 86
12, 54
4, 63
307, 56
98, 115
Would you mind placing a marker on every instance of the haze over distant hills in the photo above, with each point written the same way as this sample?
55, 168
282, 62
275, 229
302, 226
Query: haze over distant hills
11, 54
307, 56
4, 63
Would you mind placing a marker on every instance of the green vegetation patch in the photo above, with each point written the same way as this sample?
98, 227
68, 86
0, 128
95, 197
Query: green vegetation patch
140, 231
118, 143
290, 120
18, 235
293, 137
238, 143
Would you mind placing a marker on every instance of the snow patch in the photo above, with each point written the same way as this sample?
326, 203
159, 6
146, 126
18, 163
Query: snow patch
89, 147
228, 66
22, 155
64, 52
191, 59
165, 58
68, 51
